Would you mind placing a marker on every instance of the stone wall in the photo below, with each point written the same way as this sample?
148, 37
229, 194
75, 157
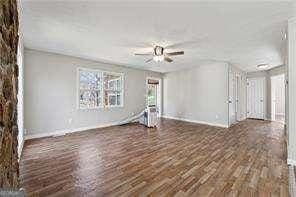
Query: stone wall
9, 169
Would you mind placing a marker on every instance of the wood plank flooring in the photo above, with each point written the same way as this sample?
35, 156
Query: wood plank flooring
177, 159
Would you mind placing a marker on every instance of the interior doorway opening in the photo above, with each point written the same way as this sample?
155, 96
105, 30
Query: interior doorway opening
234, 94
154, 94
278, 98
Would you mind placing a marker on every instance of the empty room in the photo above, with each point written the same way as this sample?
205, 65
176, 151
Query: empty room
147, 98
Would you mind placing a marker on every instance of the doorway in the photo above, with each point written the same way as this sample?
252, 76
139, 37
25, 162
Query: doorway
234, 103
154, 93
278, 98
238, 91
255, 97
232, 99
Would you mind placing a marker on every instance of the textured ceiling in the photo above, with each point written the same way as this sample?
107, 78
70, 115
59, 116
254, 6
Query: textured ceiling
244, 34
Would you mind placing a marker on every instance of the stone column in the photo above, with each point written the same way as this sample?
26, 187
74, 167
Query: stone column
9, 168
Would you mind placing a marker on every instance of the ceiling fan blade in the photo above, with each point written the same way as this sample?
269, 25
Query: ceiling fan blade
149, 60
211, 60
188, 43
175, 53
146, 53
168, 59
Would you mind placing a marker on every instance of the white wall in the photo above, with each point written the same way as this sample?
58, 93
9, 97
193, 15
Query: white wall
199, 94
51, 94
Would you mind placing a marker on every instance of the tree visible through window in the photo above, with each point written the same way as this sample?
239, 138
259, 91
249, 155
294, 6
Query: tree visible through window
90, 89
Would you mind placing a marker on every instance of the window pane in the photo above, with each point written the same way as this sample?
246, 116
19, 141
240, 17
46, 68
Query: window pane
112, 81
118, 99
89, 99
90, 83
112, 99
90, 80
112, 89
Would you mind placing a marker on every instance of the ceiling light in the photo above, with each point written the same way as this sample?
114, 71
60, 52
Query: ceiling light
158, 58
262, 66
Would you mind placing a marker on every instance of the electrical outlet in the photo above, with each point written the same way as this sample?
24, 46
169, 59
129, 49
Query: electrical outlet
70, 120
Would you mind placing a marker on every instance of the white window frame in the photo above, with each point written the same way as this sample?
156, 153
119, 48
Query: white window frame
102, 88
121, 88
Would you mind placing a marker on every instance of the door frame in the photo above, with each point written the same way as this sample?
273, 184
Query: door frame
159, 93
272, 94
264, 96
272, 99
231, 85
238, 96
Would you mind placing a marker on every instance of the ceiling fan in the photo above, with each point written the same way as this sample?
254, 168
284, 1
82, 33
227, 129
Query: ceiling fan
159, 54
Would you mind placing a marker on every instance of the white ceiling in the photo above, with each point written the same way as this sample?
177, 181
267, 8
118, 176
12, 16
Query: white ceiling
245, 34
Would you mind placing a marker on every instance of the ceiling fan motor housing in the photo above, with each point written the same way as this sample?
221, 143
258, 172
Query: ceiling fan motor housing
158, 50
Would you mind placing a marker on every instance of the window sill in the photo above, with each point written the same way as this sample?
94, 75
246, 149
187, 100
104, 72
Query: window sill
101, 107
114, 106
93, 108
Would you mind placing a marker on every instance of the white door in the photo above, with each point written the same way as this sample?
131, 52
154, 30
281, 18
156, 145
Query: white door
231, 99
255, 91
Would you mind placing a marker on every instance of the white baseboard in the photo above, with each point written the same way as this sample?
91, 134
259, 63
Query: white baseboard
269, 119
291, 162
64, 132
197, 121
243, 118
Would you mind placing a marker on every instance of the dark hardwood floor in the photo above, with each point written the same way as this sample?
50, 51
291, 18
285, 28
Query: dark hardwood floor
178, 158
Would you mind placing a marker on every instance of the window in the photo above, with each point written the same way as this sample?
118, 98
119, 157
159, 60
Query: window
99, 89
112, 89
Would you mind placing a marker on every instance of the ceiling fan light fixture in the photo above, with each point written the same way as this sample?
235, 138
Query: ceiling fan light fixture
158, 58
158, 55
262, 66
